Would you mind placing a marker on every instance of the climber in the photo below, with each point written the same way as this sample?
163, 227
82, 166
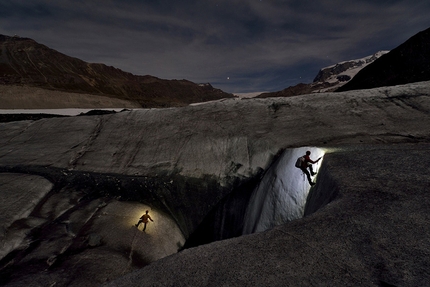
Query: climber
144, 218
307, 163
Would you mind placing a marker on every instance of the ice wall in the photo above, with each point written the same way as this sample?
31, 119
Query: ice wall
281, 195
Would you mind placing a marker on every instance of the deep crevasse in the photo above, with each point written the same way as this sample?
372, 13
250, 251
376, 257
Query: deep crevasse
281, 195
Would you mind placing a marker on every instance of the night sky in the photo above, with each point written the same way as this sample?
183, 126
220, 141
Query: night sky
236, 45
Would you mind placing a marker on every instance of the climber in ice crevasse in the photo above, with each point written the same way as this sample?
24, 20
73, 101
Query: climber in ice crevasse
305, 162
144, 218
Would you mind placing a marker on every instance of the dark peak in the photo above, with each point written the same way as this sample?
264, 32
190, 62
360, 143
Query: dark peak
23, 61
408, 63
15, 38
205, 85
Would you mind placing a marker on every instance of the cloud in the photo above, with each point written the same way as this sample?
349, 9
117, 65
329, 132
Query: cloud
259, 45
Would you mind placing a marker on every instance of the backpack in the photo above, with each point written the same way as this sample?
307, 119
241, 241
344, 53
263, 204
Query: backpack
299, 162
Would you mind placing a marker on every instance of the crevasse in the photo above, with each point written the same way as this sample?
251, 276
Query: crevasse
281, 195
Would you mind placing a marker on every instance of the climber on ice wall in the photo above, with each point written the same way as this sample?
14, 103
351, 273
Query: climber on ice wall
305, 163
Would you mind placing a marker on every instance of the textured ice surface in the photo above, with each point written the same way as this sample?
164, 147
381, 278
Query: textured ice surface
20, 193
281, 195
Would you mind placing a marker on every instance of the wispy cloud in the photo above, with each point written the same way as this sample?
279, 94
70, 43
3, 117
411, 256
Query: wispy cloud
237, 45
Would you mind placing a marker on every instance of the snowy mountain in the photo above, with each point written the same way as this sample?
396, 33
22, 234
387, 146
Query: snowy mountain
408, 63
337, 75
329, 78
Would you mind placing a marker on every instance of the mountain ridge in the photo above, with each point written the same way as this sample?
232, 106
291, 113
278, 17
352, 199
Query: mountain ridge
328, 78
346, 69
25, 62
407, 63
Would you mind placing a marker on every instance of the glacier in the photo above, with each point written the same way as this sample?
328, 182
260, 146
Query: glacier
281, 195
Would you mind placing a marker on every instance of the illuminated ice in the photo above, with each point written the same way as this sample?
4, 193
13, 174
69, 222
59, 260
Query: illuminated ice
281, 195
